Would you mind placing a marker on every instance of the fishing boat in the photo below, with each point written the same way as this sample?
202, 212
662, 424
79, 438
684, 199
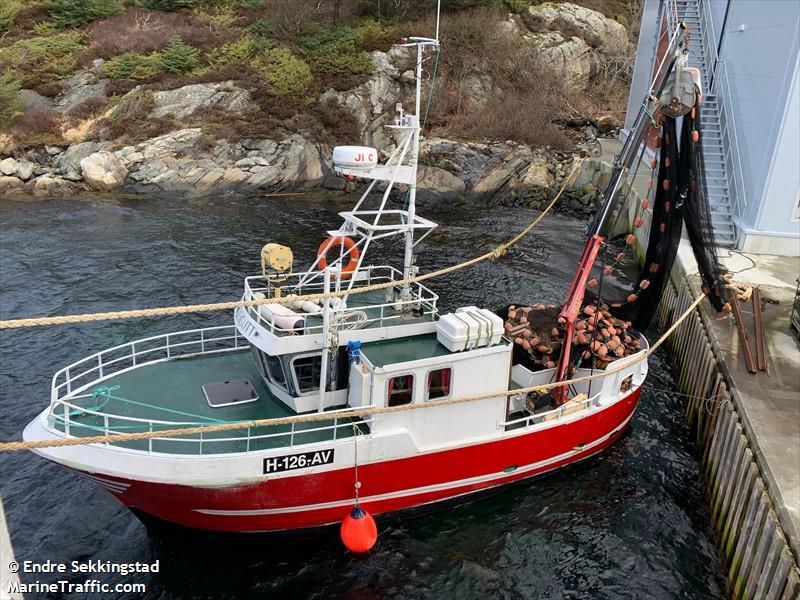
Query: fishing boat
374, 398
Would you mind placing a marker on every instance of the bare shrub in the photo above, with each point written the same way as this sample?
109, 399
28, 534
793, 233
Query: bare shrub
524, 101
144, 31
88, 108
35, 127
291, 19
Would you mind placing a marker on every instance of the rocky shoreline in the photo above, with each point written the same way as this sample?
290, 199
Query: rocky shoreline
190, 162
501, 173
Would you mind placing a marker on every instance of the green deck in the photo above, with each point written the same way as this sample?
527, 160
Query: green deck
176, 385
400, 350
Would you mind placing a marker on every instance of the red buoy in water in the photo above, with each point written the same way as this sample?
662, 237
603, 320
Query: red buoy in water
359, 532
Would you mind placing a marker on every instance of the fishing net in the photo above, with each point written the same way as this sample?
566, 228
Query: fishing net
680, 197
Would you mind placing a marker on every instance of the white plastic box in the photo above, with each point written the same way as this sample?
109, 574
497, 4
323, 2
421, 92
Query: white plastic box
469, 327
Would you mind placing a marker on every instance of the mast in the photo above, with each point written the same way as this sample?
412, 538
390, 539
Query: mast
415, 123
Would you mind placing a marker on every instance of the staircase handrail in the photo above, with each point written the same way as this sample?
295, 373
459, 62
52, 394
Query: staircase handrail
730, 138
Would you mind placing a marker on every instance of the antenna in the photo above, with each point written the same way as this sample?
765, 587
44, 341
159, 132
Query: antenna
438, 12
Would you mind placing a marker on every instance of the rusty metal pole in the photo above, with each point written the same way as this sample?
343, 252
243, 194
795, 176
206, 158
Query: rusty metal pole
761, 356
746, 348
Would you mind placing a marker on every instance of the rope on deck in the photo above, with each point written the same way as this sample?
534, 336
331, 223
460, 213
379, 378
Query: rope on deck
125, 437
494, 254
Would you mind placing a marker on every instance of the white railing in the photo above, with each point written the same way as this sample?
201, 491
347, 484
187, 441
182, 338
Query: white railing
732, 158
66, 417
383, 313
555, 414
96, 367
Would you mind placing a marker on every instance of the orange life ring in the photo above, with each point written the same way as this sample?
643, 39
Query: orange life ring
350, 249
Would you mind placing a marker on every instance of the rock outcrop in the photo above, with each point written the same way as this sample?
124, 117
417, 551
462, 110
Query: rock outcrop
371, 103
103, 171
434, 183
571, 40
79, 88
571, 20
568, 59
8, 166
187, 100
172, 163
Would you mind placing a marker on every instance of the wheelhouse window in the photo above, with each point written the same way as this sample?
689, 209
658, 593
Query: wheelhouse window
439, 383
275, 370
307, 370
401, 390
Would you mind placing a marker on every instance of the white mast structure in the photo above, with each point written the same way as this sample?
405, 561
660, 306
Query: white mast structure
363, 225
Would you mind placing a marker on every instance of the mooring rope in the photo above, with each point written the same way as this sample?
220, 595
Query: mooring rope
180, 432
494, 254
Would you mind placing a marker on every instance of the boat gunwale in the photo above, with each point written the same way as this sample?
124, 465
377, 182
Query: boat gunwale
500, 435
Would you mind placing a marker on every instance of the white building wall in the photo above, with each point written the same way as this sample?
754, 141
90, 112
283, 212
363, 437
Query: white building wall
759, 44
759, 47
781, 201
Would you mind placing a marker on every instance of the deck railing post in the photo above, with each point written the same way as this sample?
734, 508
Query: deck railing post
169, 355
248, 440
66, 419
201, 443
202, 341
133, 353
105, 427
100, 364
150, 440
69, 381
291, 436
335, 427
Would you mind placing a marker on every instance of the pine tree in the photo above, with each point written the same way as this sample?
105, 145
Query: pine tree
179, 57
77, 13
10, 105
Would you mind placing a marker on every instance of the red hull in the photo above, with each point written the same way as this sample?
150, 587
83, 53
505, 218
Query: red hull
323, 498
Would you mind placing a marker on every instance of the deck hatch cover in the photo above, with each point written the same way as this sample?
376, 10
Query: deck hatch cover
228, 392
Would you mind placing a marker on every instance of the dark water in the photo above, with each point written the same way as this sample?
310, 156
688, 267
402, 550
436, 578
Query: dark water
629, 524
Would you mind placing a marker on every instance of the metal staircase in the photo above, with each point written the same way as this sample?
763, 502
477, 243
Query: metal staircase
720, 150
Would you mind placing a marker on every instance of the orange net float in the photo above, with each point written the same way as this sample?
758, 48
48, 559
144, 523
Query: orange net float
645, 204
359, 532
638, 222
695, 136
350, 249
630, 239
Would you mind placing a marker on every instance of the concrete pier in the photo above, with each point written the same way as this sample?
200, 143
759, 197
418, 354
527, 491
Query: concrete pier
747, 426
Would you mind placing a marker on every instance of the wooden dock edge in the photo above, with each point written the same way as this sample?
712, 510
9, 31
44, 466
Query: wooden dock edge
748, 520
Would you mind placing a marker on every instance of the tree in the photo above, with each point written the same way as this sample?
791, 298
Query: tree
77, 13
179, 57
166, 5
10, 104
